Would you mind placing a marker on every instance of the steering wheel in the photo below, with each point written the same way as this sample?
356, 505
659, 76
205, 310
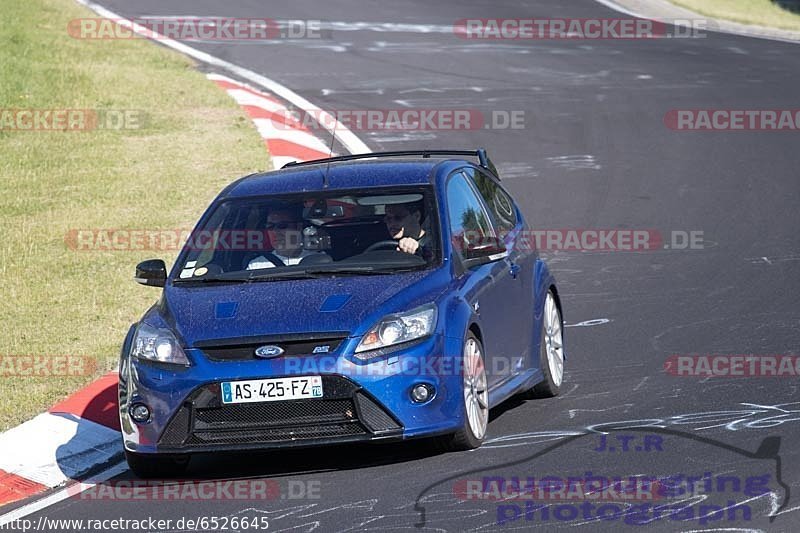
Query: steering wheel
269, 256
380, 245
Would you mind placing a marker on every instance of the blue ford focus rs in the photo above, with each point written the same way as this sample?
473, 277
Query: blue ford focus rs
373, 297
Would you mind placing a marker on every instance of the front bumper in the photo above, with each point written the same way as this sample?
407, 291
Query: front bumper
362, 402
345, 414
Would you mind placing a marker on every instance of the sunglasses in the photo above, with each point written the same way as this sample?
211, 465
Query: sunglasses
396, 218
283, 225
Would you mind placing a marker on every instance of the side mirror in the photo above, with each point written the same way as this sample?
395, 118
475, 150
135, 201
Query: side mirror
152, 273
488, 250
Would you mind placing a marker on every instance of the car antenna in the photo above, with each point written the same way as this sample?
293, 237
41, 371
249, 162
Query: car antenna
330, 154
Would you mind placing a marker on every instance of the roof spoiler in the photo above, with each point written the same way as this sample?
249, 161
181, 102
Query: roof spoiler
480, 153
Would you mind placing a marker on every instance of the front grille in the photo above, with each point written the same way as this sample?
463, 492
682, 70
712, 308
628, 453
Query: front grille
345, 411
275, 435
373, 416
272, 414
243, 349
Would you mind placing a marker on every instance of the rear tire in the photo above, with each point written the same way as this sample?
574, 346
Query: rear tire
551, 351
147, 466
475, 393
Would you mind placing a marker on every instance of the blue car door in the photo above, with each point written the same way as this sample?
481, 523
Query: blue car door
488, 288
520, 262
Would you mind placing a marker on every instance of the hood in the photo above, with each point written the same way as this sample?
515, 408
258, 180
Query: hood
206, 312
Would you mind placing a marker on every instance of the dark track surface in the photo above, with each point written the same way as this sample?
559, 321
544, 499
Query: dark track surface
595, 153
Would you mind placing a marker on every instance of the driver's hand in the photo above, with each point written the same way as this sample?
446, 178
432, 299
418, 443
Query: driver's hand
408, 245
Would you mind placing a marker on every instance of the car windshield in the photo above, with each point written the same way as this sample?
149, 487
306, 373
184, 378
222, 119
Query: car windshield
314, 235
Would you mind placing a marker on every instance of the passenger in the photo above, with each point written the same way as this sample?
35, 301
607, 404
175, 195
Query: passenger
284, 227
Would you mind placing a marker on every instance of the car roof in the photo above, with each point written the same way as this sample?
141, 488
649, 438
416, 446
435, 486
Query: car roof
343, 175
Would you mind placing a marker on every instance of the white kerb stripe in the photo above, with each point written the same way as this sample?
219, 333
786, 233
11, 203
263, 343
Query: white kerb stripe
243, 97
50, 449
269, 130
279, 160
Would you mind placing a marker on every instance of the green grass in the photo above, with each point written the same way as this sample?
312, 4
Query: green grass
56, 300
756, 12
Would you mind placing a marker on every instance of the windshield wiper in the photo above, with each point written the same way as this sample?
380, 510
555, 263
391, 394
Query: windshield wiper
306, 273
261, 276
365, 270
271, 275
211, 280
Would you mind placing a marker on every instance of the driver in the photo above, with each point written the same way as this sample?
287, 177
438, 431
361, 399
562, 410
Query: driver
284, 227
404, 222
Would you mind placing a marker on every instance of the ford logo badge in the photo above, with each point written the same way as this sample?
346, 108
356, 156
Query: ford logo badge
269, 351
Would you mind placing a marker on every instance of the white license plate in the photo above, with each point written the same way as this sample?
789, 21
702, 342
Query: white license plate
270, 390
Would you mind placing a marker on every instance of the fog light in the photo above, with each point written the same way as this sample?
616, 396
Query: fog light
421, 393
140, 413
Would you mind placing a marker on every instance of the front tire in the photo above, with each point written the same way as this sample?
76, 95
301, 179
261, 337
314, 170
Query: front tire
147, 466
476, 400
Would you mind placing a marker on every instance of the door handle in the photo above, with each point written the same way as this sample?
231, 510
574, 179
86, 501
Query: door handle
513, 269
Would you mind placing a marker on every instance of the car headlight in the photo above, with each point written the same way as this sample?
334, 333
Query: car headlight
398, 329
157, 344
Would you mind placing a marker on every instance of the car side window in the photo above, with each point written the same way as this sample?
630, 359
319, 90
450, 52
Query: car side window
496, 199
469, 222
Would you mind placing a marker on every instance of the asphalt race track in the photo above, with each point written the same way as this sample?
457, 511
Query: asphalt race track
594, 153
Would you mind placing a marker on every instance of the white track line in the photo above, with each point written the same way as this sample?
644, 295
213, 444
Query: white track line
380, 27
611, 4
348, 139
